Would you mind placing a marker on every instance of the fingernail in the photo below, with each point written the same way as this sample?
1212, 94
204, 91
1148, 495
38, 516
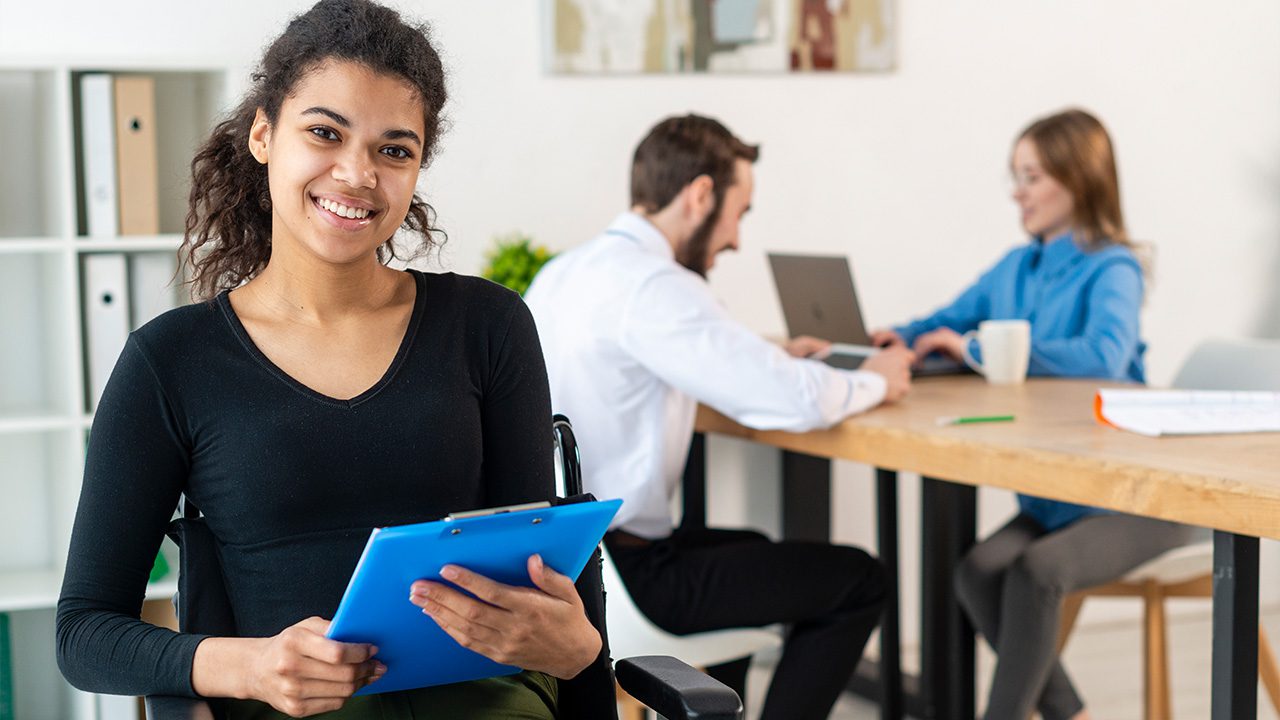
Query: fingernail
449, 572
379, 670
537, 562
373, 650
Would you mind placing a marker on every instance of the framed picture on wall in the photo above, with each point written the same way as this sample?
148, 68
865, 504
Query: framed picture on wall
612, 37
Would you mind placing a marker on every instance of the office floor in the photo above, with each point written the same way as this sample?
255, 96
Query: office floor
1105, 661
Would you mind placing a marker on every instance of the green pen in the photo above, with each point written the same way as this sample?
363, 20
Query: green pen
974, 419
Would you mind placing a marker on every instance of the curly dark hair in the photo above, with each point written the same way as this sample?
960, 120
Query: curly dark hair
228, 228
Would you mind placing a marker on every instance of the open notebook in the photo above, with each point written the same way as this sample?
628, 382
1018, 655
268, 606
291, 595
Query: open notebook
1188, 412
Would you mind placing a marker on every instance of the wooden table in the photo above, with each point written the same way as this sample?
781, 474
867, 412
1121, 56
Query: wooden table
1054, 449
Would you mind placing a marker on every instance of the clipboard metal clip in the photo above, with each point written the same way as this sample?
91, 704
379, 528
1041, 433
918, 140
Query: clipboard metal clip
497, 511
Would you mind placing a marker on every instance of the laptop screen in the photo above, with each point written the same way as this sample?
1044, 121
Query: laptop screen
818, 297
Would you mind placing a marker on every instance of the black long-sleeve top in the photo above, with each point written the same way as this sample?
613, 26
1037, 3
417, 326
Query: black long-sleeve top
291, 481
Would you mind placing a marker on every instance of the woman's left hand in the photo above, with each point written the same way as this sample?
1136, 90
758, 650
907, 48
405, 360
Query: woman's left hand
943, 340
541, 628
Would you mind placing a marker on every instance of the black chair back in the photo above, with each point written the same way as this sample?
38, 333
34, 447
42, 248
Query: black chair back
590, 695
202, 602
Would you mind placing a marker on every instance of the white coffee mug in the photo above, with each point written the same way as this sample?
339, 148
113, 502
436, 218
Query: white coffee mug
1006, 350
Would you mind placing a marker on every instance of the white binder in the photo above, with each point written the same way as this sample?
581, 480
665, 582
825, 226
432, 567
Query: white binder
106, 319
152, 288
98, 135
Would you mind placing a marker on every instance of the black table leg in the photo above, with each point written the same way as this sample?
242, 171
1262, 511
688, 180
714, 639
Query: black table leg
949, 514
891, 700
1235, 627
693, 486
806, 497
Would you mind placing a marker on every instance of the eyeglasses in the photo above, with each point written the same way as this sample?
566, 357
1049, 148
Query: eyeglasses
1023, 180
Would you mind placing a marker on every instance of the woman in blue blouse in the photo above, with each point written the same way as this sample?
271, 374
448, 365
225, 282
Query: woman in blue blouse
1080, 285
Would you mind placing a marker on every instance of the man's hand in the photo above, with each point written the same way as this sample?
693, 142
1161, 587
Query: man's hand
805, 346
886, 337
541, 628
894, 365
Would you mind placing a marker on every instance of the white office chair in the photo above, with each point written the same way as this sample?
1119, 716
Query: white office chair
631, 634
1188, 571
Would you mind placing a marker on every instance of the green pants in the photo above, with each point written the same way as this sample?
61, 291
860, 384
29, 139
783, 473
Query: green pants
524, 696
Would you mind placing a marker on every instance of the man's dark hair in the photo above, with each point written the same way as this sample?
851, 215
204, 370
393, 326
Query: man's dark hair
679, 149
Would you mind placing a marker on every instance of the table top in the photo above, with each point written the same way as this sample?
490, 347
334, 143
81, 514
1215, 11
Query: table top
1055, 449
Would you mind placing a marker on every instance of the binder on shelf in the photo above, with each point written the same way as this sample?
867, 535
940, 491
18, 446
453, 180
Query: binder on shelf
137, 173
151, 286
106, 319
98, 143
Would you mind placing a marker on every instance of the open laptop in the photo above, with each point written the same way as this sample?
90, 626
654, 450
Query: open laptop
818, 299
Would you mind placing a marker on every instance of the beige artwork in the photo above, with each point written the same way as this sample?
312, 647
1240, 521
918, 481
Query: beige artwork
723, 36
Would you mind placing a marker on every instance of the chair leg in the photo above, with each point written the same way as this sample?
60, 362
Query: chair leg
1071, 605
1155, 655
1267, 668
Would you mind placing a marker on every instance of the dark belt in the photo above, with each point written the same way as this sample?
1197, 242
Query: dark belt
622, 538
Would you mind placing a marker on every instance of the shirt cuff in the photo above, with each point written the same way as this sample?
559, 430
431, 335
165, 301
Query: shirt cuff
866, 390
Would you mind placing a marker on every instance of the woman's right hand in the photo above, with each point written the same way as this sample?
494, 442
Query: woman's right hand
886, 337
944, 340
299, 672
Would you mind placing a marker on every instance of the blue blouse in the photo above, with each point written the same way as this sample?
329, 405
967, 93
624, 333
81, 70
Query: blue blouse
1083, 307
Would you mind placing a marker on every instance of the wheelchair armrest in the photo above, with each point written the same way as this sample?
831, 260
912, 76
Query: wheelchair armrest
676, 691
170, 707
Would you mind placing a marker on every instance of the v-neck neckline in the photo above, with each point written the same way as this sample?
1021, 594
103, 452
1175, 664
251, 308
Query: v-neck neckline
415, 318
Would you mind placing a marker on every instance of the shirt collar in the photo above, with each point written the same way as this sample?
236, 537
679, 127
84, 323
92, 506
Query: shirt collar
1058, 252
635, 228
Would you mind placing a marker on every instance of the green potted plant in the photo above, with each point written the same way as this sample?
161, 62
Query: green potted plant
514, 260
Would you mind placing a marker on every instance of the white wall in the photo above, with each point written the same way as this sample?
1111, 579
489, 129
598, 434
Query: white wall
904, 172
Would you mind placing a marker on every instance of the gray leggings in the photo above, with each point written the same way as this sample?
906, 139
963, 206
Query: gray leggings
1012, 585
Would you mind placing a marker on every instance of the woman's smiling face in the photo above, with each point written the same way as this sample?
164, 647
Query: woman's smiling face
342, 159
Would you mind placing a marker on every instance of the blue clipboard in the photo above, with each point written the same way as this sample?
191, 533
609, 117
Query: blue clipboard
497, 544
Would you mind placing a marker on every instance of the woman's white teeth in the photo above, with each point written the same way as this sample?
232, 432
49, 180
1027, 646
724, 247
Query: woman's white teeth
338, 208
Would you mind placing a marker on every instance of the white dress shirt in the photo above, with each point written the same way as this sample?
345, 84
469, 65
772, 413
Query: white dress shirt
634, 341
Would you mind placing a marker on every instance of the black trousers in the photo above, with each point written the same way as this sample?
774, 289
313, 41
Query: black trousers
708, 579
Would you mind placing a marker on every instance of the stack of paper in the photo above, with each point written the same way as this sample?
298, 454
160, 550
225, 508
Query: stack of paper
1188, 412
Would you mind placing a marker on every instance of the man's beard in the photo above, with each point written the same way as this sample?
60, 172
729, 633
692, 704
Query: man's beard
693, 253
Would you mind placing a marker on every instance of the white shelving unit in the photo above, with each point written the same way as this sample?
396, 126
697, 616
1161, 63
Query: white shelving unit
44, 417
